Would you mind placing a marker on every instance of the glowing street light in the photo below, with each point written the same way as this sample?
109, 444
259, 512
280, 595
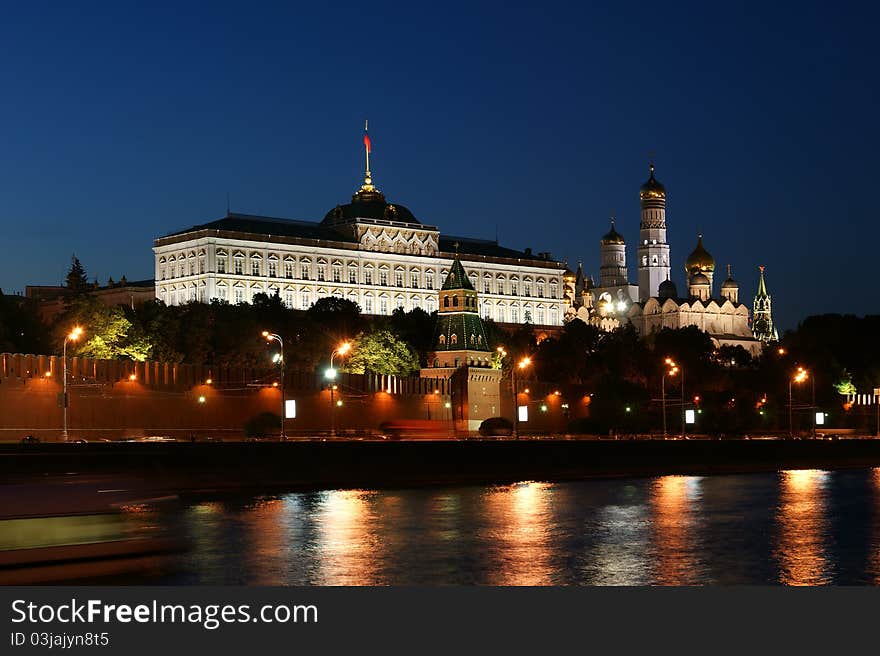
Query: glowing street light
340, 350
798, 377
72, 336
523, 364
672, 370
278, 359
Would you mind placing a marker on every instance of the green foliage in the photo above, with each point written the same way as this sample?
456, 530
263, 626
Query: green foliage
77, 281
107, 331
381, 352
21, 329
845, 385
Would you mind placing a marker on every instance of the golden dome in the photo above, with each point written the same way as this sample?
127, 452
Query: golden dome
700, 260
652, 188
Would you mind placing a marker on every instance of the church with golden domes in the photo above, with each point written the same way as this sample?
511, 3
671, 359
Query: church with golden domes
655, 302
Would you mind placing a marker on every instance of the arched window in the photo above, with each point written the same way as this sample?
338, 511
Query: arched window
455, 301
442, 340
446, 301
454, 338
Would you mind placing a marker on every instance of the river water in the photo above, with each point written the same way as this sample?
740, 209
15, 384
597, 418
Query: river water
805, 527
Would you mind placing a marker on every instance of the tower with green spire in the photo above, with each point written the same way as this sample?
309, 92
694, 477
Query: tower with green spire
762, 317
459, 337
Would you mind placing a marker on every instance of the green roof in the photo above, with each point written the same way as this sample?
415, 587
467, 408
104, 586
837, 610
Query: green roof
457, 278
462, 325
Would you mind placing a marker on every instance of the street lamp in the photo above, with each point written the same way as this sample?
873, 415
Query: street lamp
522, 364
799, 376
72, 336
673, 369
279, 359
341, 350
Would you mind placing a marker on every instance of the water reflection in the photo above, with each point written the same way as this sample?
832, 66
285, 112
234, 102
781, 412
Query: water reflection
673, 501
794, 527
520, 517
802, 528
346, 540
874, 554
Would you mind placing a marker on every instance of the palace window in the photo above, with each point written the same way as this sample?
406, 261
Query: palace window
288, 299
238, 261
399, 302
454, 339
337, 273
541, 289
414, 280
273, 269
322, 271
304, 270
305, 299
554, 316
514, 289
288, 269
239, 295
442, 339
368, 277
446, 302
429, 305
383, 278
221, 263
352, 275
399, 278
486, 286
368, 304
383, 306
201, 264
514, 315
255, 267
429, 280
528, 289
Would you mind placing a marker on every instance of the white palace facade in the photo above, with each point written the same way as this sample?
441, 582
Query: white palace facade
368, 251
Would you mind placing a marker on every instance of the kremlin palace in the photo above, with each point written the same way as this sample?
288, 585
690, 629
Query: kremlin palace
379, 255
372, 252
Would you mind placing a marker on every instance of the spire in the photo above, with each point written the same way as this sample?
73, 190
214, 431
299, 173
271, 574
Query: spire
368, 178
368, 192
762, 286
457, 277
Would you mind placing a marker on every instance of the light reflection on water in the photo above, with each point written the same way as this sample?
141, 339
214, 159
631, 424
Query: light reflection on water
793, 527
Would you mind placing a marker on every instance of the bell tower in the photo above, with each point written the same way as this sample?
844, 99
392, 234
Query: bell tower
653, 251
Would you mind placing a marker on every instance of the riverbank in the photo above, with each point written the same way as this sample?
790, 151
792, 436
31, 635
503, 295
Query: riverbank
179, 467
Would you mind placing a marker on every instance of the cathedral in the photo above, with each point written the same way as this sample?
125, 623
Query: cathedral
655, 303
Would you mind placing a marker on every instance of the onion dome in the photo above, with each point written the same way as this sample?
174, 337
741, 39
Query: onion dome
612, 236
568, 274
700, 260
699, 279
652, 188
667, 290
729, 283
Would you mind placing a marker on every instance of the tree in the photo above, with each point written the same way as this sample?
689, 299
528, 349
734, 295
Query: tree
77, 281
106, 331
381, 352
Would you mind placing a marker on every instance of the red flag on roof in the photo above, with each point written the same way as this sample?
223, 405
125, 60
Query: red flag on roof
367, 143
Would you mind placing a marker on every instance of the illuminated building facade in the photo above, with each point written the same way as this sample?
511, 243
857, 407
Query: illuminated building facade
762, 308
369, 251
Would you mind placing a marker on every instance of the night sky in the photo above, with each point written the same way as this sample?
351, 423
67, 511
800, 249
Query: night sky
122, 122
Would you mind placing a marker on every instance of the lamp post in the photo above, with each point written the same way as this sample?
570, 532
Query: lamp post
72, 336
673, 369
342, 349
522, 364
799, 377
272, 337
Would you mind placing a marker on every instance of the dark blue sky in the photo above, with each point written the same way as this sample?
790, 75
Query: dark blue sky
122, 121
